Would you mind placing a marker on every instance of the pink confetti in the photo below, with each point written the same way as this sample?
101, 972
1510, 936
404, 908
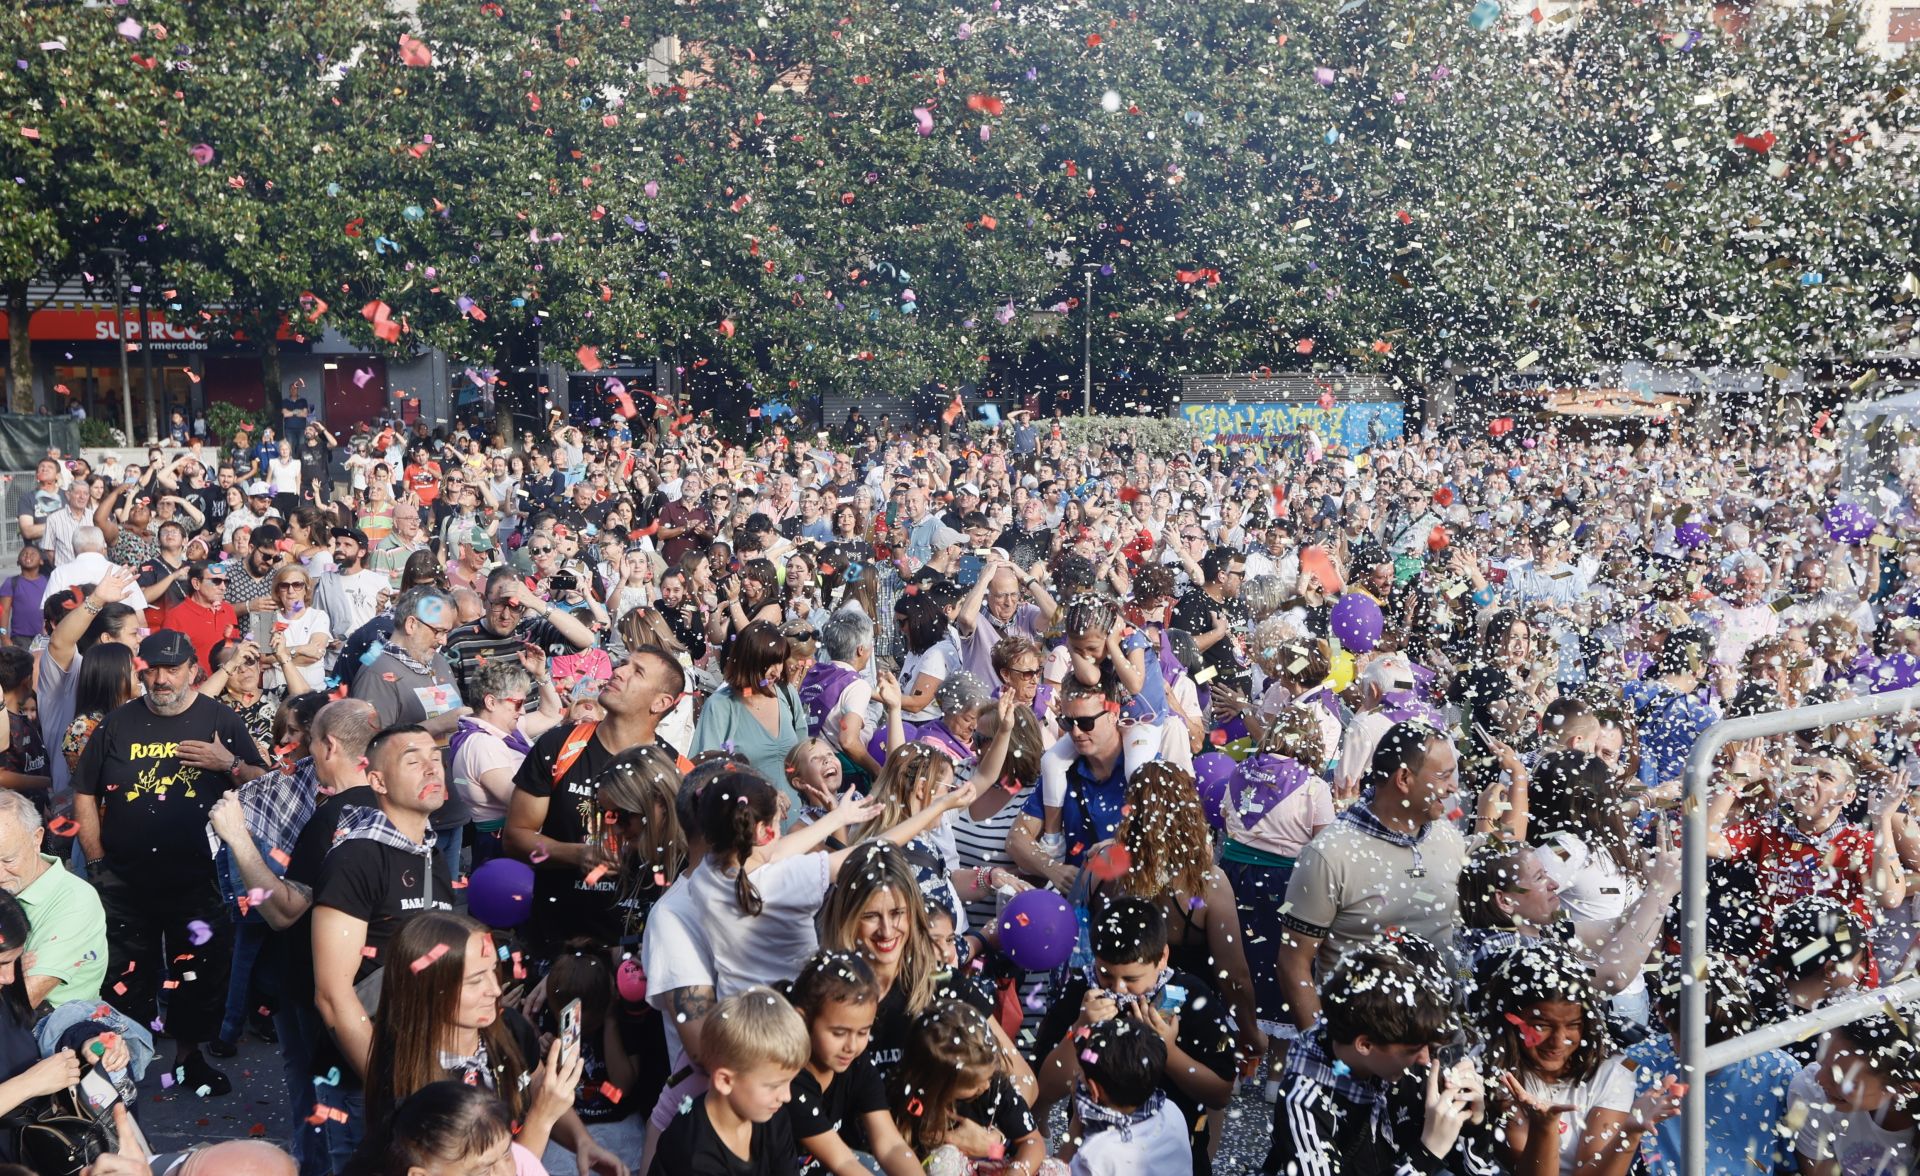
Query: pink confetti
199, 932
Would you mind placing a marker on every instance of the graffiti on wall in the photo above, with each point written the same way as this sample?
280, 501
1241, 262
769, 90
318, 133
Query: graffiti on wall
1353, 426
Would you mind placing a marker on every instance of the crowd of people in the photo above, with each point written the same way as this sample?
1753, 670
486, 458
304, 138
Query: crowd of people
636, 799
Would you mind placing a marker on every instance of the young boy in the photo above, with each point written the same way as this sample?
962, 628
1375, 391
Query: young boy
1130, 979
1745, 1100
1351, 1102
753, 1045
839, 1101
1121, 1121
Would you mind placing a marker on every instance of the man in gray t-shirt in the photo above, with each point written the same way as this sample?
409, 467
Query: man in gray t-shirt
409, 681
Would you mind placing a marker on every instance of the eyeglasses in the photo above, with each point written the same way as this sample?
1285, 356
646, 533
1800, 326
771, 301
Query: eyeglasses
505, 602
300, 584
1082, 722
438, 631
1025, 675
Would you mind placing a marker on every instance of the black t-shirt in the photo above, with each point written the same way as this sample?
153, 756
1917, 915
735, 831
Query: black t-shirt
837, 1110
564, 905
1204, 1034
153, 807
893, 1023
155, 570
1198, 613
690, 1147
303, 866
383, 886
1000, 1107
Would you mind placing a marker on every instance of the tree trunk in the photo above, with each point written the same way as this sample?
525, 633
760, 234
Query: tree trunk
270, 377
19, 350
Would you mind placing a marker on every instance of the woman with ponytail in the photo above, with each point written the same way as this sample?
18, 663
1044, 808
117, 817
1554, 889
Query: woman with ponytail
759, 893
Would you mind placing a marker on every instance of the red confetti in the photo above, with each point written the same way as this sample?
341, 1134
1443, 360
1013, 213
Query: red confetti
1528, 1034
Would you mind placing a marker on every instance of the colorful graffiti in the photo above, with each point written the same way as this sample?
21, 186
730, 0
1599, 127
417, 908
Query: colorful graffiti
1354, 426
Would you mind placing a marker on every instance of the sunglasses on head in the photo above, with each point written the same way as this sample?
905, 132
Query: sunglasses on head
1082, 722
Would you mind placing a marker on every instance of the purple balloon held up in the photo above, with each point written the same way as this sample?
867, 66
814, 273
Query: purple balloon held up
1849, 522
500, 893
1038, 930
1691, 536
1357, 622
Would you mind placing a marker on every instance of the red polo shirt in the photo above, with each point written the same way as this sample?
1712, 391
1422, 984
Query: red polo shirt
205, 627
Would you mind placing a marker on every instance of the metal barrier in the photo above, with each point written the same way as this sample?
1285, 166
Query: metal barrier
1696, 1059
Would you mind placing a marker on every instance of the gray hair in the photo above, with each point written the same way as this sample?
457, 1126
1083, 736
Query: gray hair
846, 633
89, 539
410, 601
500, 677
349, 722
960, 693
1262, 596
1746, 561
20, 809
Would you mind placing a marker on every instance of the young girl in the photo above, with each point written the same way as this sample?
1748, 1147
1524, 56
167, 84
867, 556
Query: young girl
608, 1073
1099, 648
839, 1087
953, 1100
914, 782
1570, 1107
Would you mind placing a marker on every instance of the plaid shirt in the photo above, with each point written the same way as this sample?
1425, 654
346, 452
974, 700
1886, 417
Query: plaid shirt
278, 806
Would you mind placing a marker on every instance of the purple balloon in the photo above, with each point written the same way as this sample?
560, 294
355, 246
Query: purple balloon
500, 893
1038, 930
1212, 772
1849, 522
1691, 536
1357, 622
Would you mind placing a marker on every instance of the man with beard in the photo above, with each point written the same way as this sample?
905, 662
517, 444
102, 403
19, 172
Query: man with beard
683, 613
350, 593
515, 618
143, 789
250, 577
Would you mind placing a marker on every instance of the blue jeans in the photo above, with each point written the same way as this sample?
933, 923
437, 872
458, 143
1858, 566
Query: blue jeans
299, 1026
342, 1139
250, 936
1259, 892
447, 845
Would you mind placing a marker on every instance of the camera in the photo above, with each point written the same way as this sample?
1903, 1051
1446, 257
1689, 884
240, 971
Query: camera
562, 582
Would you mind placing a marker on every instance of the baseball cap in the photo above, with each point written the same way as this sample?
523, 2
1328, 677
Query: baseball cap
166, 647
945, 537
258, 490
478, 539
970, 488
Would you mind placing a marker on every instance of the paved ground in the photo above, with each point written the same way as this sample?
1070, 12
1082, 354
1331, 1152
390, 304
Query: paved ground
173, 1118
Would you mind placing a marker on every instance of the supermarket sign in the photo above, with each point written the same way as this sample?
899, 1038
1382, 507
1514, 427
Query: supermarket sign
65, 325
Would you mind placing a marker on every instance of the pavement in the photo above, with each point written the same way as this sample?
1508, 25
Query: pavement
173, 1119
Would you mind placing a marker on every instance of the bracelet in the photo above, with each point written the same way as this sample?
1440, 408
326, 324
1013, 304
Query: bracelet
90, 606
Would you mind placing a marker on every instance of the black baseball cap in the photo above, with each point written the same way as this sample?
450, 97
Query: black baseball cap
166, 647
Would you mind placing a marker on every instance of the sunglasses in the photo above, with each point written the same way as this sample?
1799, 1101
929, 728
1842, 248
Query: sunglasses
540, 550
1026, 675
504, 602
1082, 722
216, 580
300, 584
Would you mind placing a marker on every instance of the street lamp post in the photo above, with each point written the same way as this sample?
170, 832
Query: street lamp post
1086, 349
119, 257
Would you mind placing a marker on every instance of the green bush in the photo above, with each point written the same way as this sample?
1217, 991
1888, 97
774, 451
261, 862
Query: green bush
98, 434
224, 419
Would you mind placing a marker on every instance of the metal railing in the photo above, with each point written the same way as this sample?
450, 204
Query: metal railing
1696, 1059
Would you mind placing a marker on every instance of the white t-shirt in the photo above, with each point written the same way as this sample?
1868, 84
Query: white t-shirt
931, 664
284, 475
1610, 1089
1862, 1146
353, 598
854, 699
301, 629
675, 954
769, 948
1157, 1143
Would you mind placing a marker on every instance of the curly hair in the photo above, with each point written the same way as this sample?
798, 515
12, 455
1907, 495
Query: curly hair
1165, 835
1532, 973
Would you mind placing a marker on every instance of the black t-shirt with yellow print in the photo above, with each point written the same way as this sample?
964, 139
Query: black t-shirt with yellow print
153, 807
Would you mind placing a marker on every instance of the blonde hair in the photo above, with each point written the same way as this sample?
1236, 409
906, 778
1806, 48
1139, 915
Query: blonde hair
754, 1027
1165, 835
910, 767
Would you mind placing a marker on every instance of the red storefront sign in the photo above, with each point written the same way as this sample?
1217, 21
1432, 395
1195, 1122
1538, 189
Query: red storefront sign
63, 325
